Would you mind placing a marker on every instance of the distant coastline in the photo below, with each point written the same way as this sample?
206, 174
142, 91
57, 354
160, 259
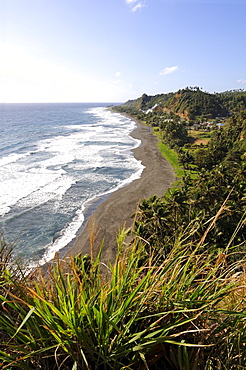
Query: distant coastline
105, 216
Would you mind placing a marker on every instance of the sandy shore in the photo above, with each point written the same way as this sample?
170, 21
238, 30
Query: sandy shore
118, 208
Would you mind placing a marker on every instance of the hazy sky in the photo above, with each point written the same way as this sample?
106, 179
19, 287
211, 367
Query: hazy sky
115, 50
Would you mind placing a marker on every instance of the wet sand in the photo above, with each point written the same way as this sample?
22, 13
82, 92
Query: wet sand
116, 211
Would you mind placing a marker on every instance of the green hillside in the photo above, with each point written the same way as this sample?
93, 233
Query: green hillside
234, 101
189, 103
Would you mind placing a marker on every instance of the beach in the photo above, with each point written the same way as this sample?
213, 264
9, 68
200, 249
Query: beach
117, 210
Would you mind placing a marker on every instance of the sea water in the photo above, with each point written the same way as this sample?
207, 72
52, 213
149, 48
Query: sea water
54, 159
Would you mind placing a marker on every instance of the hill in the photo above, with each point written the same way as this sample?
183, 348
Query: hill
189, 103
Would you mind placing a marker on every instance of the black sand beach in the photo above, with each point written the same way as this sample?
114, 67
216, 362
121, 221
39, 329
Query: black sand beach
117, 210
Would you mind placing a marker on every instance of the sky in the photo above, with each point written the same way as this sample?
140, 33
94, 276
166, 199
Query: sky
116, 50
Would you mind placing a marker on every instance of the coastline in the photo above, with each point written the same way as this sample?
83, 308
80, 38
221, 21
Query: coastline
106, 215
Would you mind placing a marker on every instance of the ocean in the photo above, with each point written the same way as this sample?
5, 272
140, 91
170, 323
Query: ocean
55, 159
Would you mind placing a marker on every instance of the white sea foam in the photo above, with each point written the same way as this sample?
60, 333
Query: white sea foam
11, 158
20, 185
69, 233
55, 189
36, 183
94, 155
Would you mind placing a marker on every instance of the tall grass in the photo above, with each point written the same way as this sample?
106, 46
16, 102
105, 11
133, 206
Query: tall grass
7, 260
132, 314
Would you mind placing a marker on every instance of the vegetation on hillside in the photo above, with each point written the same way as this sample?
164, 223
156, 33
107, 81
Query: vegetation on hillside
220, 178
189, 103
174, 298
234, 101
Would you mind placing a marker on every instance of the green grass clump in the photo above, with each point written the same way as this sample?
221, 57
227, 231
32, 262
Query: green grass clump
133, 314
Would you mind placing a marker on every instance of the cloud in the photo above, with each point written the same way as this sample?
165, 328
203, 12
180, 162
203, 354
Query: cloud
136, 4
241, 81
168, 70
118, 75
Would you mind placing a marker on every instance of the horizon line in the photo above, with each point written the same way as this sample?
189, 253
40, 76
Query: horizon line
54, 102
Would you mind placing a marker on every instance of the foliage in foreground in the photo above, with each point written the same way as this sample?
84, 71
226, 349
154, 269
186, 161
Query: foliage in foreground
185, 313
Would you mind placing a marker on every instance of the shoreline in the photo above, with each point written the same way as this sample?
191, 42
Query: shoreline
111, 212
